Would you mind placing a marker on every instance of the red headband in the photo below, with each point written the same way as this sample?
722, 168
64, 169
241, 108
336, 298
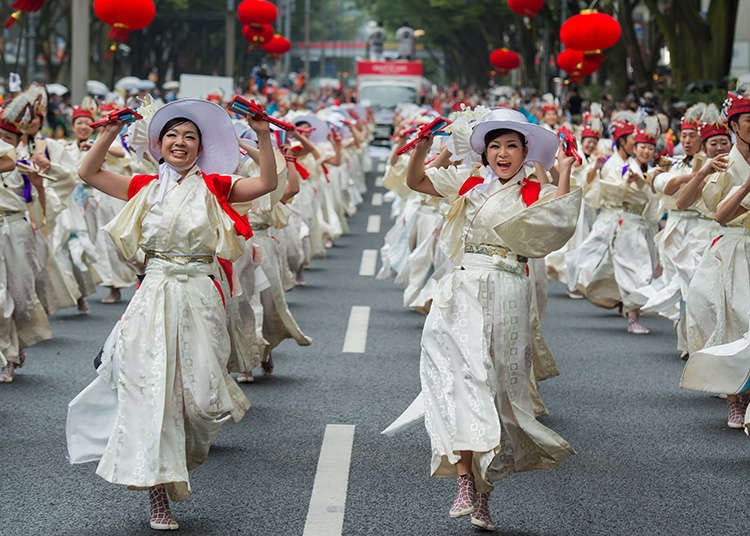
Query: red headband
709, 130
81, 112
620, 129
735, 105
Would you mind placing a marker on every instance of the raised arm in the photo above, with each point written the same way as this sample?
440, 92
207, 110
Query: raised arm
91, 172
564, 167
307, 146
247, 189
416, 179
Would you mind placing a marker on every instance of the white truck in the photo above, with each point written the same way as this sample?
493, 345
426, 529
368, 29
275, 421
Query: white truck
383, 85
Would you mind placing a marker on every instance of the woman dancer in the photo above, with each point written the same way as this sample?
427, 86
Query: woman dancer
475, 363
168, 354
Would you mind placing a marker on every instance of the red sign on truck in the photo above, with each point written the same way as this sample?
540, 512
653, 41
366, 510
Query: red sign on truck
389, 68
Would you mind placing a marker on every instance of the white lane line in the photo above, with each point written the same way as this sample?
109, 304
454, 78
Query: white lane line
325, 517
377, 199
369, 260
379, 182
381, 167
373, 223
356, 332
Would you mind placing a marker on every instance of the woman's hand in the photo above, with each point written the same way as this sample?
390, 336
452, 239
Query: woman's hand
564, 162
718, 164
41, 162
258, 125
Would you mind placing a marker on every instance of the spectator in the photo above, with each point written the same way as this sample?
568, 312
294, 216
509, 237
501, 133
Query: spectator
375, 42
405, 38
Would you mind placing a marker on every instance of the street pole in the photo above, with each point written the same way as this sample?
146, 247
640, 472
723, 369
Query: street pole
229, 40
288, 34
307, 40
79, 64
323, 39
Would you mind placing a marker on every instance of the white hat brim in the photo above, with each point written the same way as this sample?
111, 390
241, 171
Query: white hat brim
220, 150
320, 134
542, 143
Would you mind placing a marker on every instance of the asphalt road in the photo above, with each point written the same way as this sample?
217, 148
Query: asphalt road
652, 459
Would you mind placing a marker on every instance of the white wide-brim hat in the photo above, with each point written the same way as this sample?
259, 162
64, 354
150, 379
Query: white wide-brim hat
220, 151
542, 143
320, 133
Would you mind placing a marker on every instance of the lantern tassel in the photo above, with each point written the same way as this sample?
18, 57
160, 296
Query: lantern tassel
110, 51
12, 19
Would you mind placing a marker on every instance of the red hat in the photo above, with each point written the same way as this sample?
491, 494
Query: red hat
688, 124
214, 97
10, 127
709, 130
107, 107
735, 105
549, 107
588, 132
641, 136
81, 112
621, 128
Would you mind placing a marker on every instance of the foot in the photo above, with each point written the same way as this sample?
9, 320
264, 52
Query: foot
684, 355
481, 516
329, 243
267, 366
575, 295
300, 277
6, 373
736, 412
245, 377
83, 306
464, 503
113, 297
161, 515
635, 327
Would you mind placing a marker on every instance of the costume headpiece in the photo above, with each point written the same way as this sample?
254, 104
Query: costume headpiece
711, 124
649, 131
541, 143
25, 106
622, 124
692, 117
735, 104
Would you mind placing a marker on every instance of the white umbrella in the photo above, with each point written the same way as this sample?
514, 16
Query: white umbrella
127, 83
57, 89
94, 87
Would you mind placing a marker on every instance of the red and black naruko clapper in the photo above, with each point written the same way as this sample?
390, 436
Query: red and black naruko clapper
433, 128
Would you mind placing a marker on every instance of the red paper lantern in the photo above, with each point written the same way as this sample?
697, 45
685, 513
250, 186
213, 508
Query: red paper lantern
277, 46
257, 12
526, 8
590, 30
21, 6
504, 59
130, 15
577, 63
257, 34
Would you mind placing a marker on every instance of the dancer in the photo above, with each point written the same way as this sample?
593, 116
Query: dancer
475, 364
168, 354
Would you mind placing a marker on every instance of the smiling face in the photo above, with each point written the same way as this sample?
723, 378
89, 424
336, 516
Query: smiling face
588, 144
644, 152
81, 128
180, 144
506, 153
717, 145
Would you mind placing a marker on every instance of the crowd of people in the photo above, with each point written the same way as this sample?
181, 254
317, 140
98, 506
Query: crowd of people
214, 215
613, 205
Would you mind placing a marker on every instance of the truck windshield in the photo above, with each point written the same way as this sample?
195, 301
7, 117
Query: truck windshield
387, 96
